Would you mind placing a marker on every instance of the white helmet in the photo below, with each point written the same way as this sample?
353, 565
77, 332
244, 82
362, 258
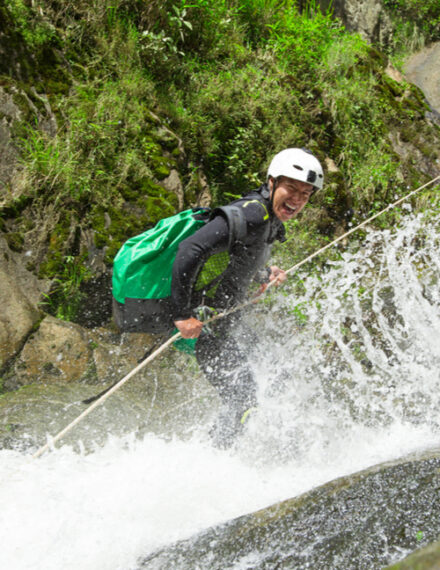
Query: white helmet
299, 164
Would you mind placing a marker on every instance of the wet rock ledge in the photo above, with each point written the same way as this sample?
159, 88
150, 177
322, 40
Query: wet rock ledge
365, 521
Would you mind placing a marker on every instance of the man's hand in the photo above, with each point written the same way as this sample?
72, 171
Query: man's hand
189, 328
278, 275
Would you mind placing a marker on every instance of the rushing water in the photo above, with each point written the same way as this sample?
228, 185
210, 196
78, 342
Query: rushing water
348, 373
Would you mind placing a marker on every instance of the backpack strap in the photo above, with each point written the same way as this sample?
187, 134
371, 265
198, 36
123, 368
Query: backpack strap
236, 222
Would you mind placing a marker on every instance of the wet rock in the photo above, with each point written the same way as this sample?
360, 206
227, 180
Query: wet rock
57, 352
19, 293
61, 352
363, 521
423, 69
159, 399
427, 558
114, 355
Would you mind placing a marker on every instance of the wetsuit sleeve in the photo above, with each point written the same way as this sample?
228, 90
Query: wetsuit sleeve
262, 275
192, 254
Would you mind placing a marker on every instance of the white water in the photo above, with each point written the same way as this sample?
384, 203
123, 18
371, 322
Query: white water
352, 383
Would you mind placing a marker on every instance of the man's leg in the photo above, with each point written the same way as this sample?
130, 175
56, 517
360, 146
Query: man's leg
225, 365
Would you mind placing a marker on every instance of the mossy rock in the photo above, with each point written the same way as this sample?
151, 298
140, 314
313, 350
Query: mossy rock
15, 241
391, 86
427, 558
369, 517
56, 250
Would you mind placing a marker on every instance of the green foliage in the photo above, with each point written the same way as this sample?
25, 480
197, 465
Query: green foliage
30, 23
229, 119
66, 296
108, 156
301, 40
236, 80
106, 144
416, 22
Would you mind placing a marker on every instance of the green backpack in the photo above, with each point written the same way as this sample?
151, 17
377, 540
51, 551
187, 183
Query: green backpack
142, 267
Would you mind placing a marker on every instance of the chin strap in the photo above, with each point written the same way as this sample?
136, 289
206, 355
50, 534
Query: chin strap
274, 187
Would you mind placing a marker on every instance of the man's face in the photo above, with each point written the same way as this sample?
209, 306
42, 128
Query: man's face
290, 197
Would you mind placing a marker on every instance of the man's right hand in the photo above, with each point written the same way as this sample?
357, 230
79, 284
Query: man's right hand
189, 328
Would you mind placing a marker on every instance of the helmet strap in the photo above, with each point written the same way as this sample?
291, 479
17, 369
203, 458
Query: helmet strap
274, 187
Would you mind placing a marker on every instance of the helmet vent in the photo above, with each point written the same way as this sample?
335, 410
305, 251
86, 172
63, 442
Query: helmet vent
298, 167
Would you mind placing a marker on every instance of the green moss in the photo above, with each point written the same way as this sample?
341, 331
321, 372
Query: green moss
14, 208
391, 87
56, 250
15, 241
121, 226
161, 171
167, 140
149, 202
150, 188
160, 166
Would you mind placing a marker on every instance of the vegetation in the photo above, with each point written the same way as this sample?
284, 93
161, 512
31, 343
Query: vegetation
416, 22
117, 94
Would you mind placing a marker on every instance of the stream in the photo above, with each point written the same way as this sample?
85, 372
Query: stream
348, 372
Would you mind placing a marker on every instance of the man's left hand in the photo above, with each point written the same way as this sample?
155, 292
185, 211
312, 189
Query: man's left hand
277, 275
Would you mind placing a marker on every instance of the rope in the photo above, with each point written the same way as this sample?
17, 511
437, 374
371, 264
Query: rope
50, 444
95, 404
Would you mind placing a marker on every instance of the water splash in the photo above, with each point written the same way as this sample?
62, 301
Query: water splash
358, 349
348, 376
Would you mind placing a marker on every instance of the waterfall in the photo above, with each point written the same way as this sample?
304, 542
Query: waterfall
348, 375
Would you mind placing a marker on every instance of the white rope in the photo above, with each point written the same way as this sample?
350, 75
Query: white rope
50, 444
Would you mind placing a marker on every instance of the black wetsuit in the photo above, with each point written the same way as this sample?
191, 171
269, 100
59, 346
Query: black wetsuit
222, 359
247, 256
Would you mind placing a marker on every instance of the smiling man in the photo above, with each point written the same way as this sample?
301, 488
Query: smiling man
293, 176
213, 270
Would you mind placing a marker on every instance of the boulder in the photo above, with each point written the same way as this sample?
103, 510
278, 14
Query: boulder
19, 293
423, 70
57, 352
367, 17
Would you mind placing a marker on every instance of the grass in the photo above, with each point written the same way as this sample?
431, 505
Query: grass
234, 81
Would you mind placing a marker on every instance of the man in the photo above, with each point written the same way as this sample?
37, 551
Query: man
214, 268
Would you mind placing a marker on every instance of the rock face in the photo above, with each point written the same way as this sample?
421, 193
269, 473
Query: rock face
424, 559
363, 521
19, 292
364, 16
423, 69
57, 352
9, 113
68, 364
